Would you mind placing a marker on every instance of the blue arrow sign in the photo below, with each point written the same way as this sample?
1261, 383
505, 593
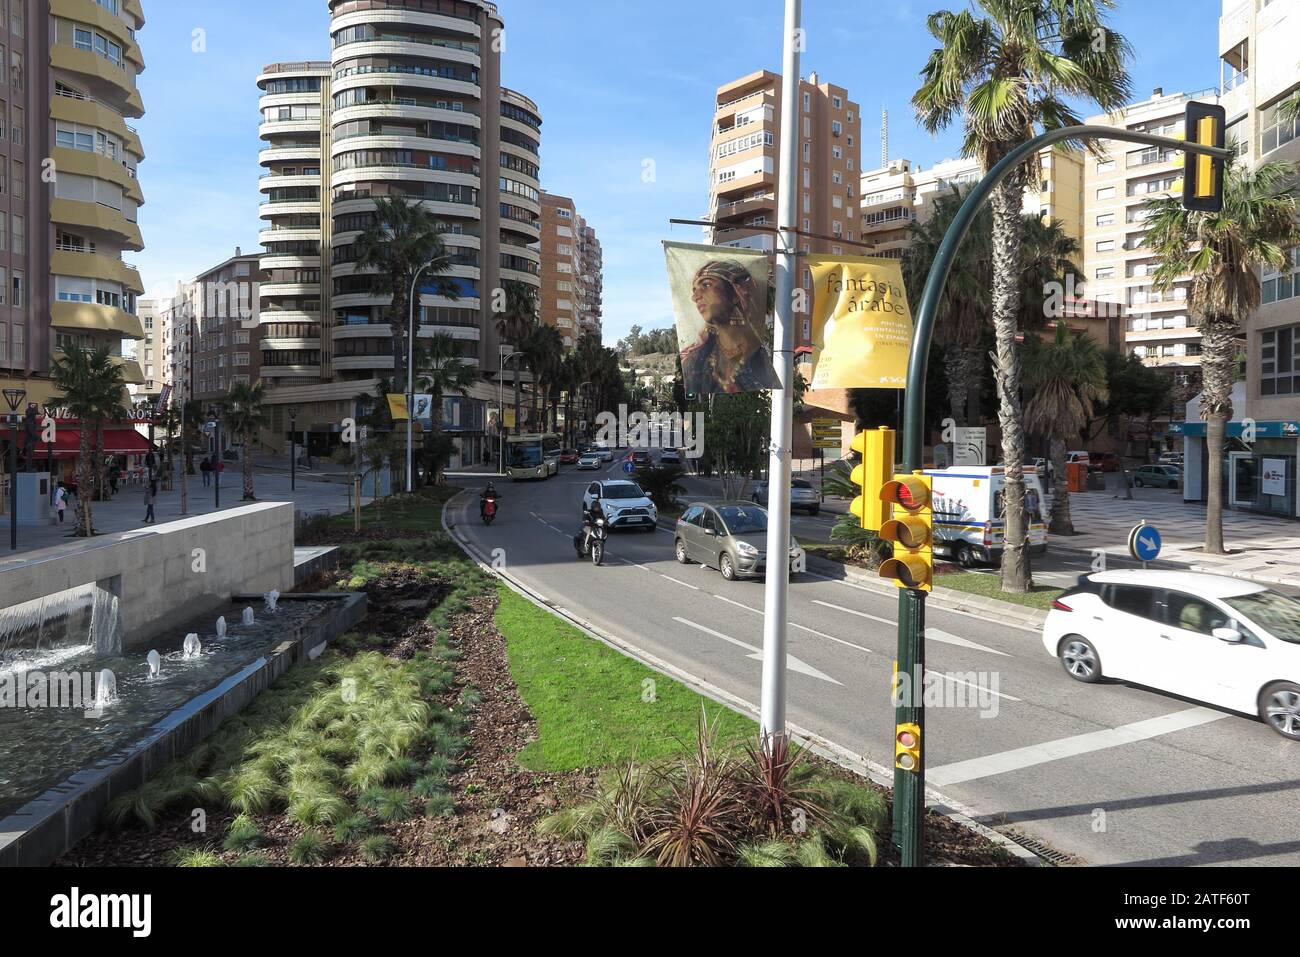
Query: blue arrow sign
629, 467
1145, 543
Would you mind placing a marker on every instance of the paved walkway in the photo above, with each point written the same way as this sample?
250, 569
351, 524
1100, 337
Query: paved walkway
126, 511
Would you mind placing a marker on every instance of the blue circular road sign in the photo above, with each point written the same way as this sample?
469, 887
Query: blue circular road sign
1144, 543
629, 467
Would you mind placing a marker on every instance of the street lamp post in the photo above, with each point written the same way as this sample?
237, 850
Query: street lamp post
14, 398
501, 405
293, 448
217, 460
50, 410
410, 381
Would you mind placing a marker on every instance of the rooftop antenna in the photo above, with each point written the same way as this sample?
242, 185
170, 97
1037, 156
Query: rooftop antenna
884, 137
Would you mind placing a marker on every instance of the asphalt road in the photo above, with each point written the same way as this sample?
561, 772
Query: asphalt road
1112, 774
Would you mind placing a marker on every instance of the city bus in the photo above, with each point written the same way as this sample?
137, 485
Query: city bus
532, 456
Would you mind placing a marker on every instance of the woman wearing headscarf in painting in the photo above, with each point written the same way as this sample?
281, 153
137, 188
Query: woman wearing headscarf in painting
731, 357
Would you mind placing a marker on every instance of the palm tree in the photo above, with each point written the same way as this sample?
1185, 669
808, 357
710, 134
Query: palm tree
514, 321
379, 452
1005, 68
92, 384
1223, 253
244, 413
965, 308
543, 350
405, 238
440, 370
1065, 378
1047, 257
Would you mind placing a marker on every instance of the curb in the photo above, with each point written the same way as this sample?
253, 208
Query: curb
878, 774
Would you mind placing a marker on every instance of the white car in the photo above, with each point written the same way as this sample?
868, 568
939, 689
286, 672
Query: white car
604, 451
589, 461
624, 504
1224, 641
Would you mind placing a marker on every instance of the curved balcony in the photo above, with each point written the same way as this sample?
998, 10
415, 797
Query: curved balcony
109, 76
89, 112
359, 363
89, 265
297, 290
525, 277
406, 48
273, 154
266, 316
418, 81
288, 236
89, 12
403, 142
275, 128
289, 345
97, 166
298, 98
286, 372
361, 330
399, 17
409, 174
304, 207
366, 204
380, 110
272, 181
74, 212
285, 261
92, 317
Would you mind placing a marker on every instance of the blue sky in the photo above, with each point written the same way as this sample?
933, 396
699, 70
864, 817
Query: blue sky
618, 82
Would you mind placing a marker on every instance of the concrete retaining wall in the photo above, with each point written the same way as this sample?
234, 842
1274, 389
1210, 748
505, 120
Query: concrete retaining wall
167, 574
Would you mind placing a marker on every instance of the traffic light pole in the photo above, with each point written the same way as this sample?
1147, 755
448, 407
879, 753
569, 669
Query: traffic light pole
909, 785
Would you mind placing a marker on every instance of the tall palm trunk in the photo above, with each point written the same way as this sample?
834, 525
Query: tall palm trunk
248, 467
963, 367
517, 422
1007, 202
397, 321
1061, 523
101, 467
85, 487
1218, 359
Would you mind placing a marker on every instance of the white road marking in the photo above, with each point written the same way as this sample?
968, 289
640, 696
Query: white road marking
675, 580
811, 631
791, 662
850, 611
946, 611
1020, 758
931, 634
977, 687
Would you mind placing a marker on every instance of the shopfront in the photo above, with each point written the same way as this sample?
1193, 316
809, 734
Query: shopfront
121, 441
1259, 473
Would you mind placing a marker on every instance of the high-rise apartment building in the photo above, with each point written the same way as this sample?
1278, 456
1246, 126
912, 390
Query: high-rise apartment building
410, 104
1117, 264
902, 193
571, 271
1258, 44
744, 164
148, 352
70, 69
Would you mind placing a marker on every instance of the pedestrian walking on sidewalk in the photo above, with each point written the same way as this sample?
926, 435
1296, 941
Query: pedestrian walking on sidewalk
60, 500
206, 468
150, 499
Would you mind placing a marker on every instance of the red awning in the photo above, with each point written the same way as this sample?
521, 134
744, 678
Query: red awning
67, 443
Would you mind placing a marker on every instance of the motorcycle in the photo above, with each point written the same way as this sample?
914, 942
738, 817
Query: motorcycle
488, 511
591, 542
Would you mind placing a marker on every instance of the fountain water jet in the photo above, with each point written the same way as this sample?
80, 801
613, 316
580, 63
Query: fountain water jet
155, 664
193, 647
221, 627
271, 598
105, 689
249, 617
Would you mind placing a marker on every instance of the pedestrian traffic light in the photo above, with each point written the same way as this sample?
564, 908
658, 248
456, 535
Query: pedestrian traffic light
907, 747
911, 530
876, 446
1203, 175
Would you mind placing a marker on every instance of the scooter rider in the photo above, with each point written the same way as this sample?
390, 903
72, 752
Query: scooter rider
589, 518
488, 493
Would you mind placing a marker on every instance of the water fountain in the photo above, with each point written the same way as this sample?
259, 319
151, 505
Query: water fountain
221, 627
272, 598
249, 618
155, 664
105, 689
193, 648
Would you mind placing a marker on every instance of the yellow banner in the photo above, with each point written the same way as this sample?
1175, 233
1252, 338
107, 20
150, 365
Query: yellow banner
397, 407
861, 323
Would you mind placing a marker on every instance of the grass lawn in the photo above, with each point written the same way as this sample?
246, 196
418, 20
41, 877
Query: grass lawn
990, 586
421, 511
594, 707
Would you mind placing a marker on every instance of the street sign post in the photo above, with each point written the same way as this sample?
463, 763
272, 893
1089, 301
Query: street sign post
1144, 543
629, 467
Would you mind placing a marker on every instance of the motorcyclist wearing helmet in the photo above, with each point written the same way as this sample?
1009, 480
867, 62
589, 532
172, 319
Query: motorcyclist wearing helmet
488, 493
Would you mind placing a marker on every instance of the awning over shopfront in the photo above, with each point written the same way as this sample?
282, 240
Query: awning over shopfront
67, 442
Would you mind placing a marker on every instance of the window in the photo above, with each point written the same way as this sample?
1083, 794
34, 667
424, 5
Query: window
1193, 614
1106, 246
1106, 219
839, 103
807, 152
1275, 132
807, 102
837, 128
1105, 166
1279, 361
1107, 273
1279, 285
1130, 599
20, 235
1107, 192
82, 39
19, 287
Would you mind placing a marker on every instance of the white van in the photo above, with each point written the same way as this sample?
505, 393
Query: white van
968, 523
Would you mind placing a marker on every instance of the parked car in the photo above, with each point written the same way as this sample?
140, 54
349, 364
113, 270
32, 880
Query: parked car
569, 456
624, 503
589, 461
802, 496
1226, 642
1104, 461
1170, 458
1158, 476
731, 537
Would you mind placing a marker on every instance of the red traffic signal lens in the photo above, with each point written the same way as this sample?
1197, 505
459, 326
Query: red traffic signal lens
907, 739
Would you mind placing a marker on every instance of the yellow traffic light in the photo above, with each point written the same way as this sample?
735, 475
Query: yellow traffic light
876, 447
1203, 175
911, 530
907, 747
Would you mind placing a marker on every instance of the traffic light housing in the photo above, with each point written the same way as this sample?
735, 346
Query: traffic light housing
876, 446
907, 747
911, 530
1203, 175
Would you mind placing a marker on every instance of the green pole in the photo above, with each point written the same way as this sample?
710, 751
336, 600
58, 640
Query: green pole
909, 786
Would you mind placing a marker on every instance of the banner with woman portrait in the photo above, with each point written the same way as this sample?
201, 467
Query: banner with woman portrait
720, 301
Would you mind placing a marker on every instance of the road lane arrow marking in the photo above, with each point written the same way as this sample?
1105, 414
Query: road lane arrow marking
931, 634
811, 631
791, 662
